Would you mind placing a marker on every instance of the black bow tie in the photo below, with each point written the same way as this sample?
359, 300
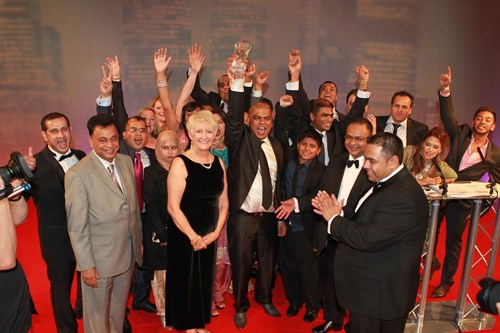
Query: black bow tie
68, 155
350, 163
377, 186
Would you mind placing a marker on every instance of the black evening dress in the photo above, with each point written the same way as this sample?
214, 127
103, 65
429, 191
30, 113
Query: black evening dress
190, 280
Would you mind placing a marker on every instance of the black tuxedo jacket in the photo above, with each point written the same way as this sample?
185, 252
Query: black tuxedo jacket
378, 252
244, 148
330, 183
47, 190
460, 137
414, 133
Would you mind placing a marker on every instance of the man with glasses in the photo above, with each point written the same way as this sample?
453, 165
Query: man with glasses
346, 178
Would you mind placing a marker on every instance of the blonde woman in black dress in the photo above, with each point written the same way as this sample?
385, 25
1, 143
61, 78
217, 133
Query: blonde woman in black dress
198, 205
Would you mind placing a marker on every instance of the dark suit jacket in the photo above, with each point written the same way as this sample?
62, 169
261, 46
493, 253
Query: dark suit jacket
156, 218
414, 133
460, 137
202, 97
244, 148
331, 182
310, 220
47, 189
298, 122
378, 252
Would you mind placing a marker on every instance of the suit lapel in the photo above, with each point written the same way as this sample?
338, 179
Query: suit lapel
104, 175
54, 165
127, 182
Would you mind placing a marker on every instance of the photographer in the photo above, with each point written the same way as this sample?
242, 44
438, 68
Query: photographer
15, 312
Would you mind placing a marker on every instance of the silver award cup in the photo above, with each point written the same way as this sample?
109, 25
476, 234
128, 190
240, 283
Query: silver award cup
242, 49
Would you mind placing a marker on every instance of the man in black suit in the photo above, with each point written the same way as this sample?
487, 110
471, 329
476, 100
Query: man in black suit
347, 180
378, 253
472, 155
48, 195
256, 162
320, 113
399, 122
218, 100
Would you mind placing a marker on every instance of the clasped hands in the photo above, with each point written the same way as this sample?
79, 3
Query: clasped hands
201, 243
327, 205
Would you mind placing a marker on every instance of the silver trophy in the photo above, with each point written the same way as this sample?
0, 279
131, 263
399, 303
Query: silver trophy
242, 49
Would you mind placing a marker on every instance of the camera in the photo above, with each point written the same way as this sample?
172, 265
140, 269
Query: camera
489, 295
15, 168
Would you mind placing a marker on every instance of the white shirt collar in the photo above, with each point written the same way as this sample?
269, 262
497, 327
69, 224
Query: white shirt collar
392, 173
402, 124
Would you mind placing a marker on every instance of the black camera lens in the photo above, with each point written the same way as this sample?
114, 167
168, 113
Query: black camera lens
15, 168
489, 295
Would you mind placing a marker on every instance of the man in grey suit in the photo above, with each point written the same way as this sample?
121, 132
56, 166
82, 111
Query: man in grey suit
104, 226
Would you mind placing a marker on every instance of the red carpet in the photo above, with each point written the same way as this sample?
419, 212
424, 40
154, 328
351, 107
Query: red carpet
142, 322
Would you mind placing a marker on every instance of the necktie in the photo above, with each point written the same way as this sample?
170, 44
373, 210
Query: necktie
267, 189
350, 163
295, 178
111, 169
395, 128
325, 148
68, 155
138, 178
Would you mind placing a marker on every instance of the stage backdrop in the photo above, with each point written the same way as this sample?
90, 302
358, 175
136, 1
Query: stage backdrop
51, 52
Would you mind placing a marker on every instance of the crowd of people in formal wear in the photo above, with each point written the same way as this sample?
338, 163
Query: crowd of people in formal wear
188, 203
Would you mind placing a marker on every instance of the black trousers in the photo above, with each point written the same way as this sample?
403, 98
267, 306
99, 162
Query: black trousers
456, 213
299, 270
332, 311
245, 233
360, 323
141, 285
61, 279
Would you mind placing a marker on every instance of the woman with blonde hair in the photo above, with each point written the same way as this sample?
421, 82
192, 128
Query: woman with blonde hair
198, 207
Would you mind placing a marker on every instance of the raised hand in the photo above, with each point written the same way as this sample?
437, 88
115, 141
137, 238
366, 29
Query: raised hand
373, 120
260, 79
363, 76
250, 71
445, 80
30, 159
286, 101
294, 64
195, 58
114, 67
106, 84
161, 60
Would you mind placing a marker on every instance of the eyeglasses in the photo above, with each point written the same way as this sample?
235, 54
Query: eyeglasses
356, 139
135, 129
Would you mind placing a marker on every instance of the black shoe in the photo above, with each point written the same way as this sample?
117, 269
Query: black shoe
271, 310
327, 326
310, 316
292, 311
78, 313
127, 328
147, 306
240, 319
